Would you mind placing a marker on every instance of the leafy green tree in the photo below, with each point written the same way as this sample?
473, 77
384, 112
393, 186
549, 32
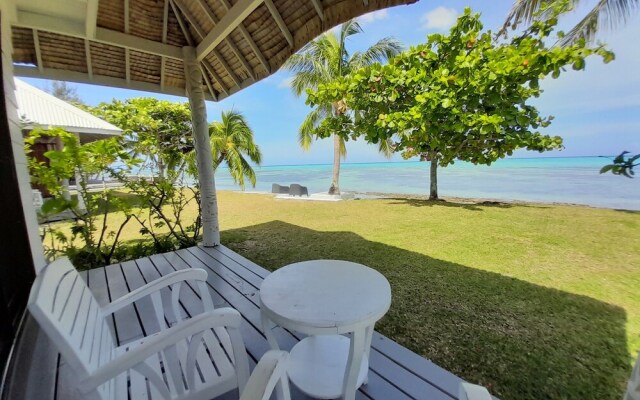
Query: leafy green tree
156, 131
158, 136
460, 96
232, 141
611, 13
622, 165
99, 237
322, 61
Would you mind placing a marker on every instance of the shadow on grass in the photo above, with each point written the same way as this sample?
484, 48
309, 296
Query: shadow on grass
521, 340
477, 206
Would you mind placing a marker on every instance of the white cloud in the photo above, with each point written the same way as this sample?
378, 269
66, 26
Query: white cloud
373, 16
285, 83
440, 18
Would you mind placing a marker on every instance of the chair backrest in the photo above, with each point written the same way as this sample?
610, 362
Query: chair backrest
70, 315
633, 387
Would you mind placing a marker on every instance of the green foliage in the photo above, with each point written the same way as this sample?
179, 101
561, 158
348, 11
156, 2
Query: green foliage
156, 132
91, 240
157, 135
461, 96
622, 165
231, 140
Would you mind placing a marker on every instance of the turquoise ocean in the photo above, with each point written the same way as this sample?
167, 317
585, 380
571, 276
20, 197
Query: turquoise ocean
555, 180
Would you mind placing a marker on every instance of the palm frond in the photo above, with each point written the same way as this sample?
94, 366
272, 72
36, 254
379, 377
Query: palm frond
386, 148
384, 49
311, 121
343, 148
607, 13
231, 139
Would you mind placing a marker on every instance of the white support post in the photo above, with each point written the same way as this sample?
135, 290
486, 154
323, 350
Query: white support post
204, 160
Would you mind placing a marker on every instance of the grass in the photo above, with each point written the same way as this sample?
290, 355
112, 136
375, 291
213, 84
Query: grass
532, 301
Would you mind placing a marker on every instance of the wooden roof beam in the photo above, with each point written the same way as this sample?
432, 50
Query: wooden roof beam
205, 76
91, 22
228, 41
87, 53
249, 39
281, 24
36, 46
318, 6
81, 77
189, 39
194, 23
226, 67
215, 77
227, 24
69, 28
165, 22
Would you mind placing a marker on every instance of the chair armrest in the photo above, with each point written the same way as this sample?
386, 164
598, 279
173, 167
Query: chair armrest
191, 274
223, 317
468, 391
271, 369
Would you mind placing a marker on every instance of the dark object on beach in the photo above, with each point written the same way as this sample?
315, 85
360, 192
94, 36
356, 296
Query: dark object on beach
298, 190
275, 188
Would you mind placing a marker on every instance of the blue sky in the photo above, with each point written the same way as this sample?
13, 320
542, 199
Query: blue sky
597, 111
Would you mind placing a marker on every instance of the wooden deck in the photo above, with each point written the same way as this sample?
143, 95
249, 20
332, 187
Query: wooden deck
39, 373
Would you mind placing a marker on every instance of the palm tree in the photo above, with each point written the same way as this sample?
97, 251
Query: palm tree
232, 140
322, 61
611, 13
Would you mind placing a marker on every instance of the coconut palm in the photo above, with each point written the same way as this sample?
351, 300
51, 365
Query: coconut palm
611, 13
322, 61
231, 143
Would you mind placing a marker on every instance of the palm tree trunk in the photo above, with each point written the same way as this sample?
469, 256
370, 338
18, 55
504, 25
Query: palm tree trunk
433, 179
335, 181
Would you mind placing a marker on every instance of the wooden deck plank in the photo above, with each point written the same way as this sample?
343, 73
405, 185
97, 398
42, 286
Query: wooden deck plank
126, 321
144, 307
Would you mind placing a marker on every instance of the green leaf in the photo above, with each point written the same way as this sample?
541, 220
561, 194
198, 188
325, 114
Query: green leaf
606, 168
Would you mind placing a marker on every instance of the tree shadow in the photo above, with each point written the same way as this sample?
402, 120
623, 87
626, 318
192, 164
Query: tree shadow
521, 340
473, 206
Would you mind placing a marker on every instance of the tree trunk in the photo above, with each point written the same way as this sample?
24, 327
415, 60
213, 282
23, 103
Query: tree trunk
335, 181
204, 159
433, 185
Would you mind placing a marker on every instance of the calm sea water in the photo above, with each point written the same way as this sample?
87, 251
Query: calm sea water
567, 180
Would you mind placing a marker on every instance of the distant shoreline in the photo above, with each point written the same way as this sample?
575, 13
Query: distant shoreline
416, 161
478, 201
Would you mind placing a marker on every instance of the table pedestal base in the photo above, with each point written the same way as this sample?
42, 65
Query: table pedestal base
317, 366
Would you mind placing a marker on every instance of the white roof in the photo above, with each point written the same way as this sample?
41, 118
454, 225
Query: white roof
39, 108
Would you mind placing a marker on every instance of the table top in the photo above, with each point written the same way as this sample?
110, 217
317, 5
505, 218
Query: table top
325, 294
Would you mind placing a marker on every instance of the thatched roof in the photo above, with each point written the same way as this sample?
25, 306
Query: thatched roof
137, 43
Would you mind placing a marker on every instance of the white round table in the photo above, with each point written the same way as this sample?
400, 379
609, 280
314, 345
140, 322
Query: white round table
326, 299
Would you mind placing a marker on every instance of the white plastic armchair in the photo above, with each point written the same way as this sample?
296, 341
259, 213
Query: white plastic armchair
270, 371
206, 350
468, 391
633, 387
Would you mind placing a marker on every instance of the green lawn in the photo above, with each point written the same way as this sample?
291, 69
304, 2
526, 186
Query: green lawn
533, 301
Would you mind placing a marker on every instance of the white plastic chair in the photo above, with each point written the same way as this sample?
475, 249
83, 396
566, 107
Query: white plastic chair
468, 391
633, 387
270, 371
199, 358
